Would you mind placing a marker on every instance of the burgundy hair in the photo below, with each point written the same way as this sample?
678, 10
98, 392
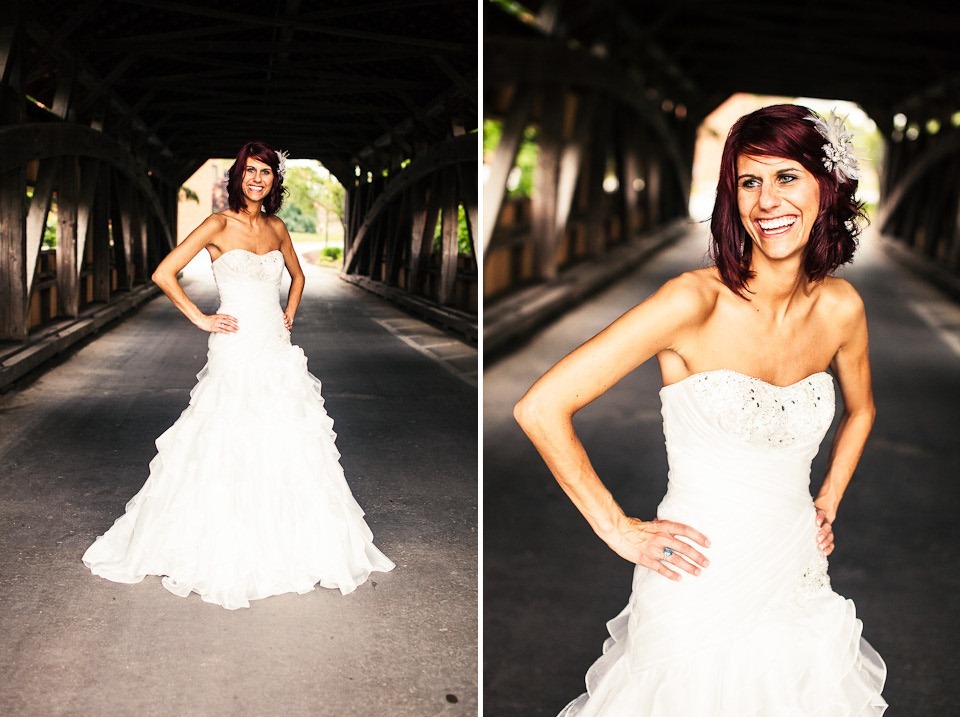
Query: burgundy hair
266, 154
783, 131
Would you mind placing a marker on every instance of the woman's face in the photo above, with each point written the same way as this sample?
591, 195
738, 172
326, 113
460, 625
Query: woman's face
779, 201
257, 180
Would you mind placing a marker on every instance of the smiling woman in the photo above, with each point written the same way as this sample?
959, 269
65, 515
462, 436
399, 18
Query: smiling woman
253, 177
744, 347
246, 497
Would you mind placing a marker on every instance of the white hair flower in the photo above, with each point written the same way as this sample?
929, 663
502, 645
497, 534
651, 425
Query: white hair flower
282, 163
839, 156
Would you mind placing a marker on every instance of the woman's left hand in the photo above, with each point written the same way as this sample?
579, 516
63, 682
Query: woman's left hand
288, 319
825, 532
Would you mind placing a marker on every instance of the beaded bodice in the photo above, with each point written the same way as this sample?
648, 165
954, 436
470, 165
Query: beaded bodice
761, 413
249, 287
243, 263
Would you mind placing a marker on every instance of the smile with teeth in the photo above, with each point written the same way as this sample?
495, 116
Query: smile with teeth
777, 225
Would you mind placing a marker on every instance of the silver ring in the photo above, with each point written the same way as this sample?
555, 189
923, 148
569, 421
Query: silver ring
667, 552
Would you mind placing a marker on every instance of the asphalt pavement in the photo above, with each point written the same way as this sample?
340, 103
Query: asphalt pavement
550, 584
74, 447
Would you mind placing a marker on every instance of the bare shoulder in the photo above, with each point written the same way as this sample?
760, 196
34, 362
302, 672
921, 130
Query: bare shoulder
841, 301
216, 221
693, 294
276, 222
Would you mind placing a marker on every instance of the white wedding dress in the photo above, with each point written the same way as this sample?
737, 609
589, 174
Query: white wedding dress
246, 497
759, 632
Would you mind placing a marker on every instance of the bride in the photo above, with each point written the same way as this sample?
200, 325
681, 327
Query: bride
731, 611
246, 497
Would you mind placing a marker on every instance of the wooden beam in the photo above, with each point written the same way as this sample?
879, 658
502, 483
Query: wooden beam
467, 190
918, 168
596, 202
89, 169
38, 212
123, 224
195, 10
449, 252
68, 195
100, 237
543, 204
495, 187
14, 305
539, 62
423, 226
571, 160
453, 151
22, 143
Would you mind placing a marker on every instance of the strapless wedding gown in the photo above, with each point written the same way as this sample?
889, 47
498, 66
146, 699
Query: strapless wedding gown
759, 632
246, 497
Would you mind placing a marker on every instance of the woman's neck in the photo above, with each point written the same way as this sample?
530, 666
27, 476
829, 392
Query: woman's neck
777, 286
250, 214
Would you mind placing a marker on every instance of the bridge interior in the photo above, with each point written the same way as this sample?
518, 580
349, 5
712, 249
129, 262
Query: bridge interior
611, 95
108, 106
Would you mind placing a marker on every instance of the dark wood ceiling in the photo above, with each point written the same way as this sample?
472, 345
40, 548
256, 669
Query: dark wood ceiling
887, 55
330, 80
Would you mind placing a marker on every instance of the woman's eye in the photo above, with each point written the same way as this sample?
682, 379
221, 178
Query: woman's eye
787, 178
750, 183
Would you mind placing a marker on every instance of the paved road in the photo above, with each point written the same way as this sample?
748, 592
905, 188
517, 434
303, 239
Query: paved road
550, 584
74, 447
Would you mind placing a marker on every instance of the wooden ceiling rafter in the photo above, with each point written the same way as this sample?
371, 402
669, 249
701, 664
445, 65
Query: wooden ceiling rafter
262, 21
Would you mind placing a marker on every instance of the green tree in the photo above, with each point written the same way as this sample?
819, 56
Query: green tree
308, 189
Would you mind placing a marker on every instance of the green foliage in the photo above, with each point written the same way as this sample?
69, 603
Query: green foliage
50, 231
526, 160
308, 189
296, 220
464, 246
333, 252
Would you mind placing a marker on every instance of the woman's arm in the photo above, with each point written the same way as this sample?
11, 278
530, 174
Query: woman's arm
851, 364
546, 415
165, 276
292, 263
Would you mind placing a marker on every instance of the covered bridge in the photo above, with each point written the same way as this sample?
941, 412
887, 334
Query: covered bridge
108, 106
615, 92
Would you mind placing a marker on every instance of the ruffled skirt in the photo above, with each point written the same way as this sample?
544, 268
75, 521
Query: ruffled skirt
808, 661
246, 497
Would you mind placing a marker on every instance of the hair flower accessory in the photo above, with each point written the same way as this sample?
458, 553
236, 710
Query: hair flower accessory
282, 163
839, 150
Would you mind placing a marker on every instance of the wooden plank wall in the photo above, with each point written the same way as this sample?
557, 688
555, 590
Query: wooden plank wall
394, 214
112, 220
602, 175
920, 197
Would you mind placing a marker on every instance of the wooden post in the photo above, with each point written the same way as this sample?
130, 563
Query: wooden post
545, 185
571, 161
423, 226
121, 236
398, 242
68, 285
100, 238
654, 168
38, 212
448, 238
467, 183
14, 305
495, 187
596, 232
628, 171
89, 170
